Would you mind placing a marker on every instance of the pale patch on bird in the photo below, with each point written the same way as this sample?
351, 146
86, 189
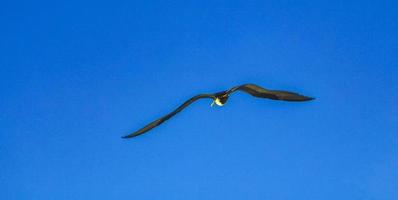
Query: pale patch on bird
217, 101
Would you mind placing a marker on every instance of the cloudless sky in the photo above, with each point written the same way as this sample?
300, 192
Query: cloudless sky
75, 76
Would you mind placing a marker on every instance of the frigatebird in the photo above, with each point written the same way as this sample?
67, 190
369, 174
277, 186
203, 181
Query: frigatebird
220, 98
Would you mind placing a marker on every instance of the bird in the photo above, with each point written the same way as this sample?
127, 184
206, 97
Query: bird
220, 98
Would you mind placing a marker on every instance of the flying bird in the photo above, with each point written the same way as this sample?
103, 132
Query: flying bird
220, 98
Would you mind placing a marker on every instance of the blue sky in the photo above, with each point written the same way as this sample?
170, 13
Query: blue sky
76, 76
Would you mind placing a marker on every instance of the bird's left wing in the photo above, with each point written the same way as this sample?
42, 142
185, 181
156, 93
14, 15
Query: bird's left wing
261, 92
168, 116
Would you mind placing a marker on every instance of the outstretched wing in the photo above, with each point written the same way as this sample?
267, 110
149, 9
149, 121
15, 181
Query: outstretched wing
258, 91
168, 116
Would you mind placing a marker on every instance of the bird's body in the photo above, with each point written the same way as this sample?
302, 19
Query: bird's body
220, 98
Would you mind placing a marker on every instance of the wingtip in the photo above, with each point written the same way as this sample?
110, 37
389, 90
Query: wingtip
126, 137
299, 98
311, 98
130, 136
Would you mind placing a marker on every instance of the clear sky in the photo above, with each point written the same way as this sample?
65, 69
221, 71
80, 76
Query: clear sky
78, 75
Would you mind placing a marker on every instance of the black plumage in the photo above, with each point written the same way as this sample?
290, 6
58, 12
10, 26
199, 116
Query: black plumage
220, 98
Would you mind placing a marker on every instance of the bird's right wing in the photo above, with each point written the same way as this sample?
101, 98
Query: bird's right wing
168, 116
258, 91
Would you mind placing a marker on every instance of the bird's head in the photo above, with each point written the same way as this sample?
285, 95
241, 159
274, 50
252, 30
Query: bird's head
220, 99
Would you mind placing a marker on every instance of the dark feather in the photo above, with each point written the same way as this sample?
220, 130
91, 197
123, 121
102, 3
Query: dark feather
258, 91
168, 116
